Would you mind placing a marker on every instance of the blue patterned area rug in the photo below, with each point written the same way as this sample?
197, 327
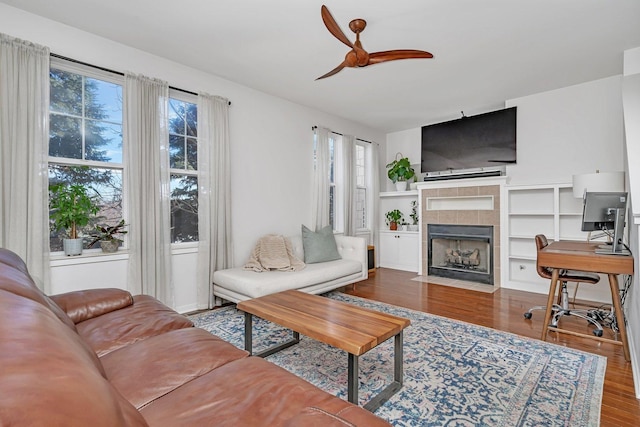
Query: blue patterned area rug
455, 373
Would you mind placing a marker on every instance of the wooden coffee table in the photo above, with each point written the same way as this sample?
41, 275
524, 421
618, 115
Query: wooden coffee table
353, 329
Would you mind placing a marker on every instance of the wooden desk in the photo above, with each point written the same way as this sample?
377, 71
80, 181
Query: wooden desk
581, 256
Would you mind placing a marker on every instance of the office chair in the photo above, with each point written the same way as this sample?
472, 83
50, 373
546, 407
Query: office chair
561, 308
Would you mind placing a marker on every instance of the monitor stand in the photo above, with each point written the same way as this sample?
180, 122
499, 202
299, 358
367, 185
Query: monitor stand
616, 248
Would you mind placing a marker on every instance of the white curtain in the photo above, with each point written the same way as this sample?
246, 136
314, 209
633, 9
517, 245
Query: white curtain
320, 184
24, 148
215, 248
147, 186
374, 200
349, 175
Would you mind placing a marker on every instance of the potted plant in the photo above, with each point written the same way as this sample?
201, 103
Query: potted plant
394, 217
414, 216
106, 235
400, 171
71, 206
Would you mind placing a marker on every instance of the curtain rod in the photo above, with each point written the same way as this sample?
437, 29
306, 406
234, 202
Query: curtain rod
108, 70
338, 133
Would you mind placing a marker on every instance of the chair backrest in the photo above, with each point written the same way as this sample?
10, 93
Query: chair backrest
541, 243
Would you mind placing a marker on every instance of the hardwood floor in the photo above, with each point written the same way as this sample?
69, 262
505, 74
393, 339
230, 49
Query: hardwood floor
503, 310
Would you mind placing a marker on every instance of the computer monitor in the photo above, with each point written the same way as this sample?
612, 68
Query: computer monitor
605, 211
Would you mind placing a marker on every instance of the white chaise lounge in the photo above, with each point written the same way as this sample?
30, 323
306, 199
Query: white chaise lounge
237, 284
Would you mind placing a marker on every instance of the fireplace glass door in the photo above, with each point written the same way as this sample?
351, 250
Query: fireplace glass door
463, 252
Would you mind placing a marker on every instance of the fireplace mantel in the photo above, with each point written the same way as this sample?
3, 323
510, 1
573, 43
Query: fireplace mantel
464, 202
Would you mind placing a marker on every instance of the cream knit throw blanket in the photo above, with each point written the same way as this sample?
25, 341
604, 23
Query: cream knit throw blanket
273, 252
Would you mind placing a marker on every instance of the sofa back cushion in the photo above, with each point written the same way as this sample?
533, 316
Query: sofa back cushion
296, 246
319, 246
15, 278
48, 376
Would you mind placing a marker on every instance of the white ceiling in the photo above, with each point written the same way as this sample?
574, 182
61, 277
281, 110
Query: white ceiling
485, 52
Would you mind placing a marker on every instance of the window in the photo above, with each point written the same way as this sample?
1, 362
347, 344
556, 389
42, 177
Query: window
183, 164
336, 187
361, 188
336, 204
85, 139
86, 147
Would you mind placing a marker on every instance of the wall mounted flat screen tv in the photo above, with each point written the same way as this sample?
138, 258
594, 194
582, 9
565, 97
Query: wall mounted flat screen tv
480, 141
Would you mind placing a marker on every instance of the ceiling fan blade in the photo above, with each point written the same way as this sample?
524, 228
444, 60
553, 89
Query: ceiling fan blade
392, 55
332, 72
333, 27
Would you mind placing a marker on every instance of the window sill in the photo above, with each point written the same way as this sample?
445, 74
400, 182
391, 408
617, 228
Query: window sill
58, 259
184, 248
93, 256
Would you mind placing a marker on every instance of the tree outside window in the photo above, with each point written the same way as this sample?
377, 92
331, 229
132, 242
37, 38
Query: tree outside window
183, 164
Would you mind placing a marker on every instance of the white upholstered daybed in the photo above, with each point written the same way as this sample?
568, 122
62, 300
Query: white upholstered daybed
238, 284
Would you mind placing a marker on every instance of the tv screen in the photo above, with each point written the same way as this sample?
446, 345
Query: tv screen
479, 141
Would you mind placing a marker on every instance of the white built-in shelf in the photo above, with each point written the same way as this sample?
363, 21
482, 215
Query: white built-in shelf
548, 209
398, 231
409, 193
523, 257
522, 236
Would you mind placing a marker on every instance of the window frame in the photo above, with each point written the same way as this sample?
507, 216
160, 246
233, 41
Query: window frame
192, 99
88, 71
336, 185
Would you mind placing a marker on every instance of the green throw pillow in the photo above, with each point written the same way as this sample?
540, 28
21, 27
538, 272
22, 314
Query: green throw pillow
319, 246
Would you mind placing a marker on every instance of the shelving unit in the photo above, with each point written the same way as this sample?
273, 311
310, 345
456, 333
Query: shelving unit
398, 249
542, 209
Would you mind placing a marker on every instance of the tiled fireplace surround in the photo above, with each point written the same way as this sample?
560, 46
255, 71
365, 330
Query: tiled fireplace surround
466, 205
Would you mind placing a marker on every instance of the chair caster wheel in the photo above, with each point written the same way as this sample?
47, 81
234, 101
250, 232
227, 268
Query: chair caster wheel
527, 315
597, 332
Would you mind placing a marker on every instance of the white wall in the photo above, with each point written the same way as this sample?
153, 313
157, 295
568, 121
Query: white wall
406, 142
631, 105
573, 130
271, 145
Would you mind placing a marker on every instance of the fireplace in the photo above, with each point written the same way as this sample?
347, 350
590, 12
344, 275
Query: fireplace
463, 252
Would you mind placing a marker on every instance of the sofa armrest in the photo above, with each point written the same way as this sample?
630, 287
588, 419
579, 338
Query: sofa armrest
90, 303
355, 248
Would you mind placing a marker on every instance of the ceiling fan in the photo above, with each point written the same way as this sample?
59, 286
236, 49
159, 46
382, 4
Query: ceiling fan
357, 56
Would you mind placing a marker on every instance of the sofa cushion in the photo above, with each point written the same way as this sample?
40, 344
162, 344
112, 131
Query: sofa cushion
48, 376
86, 304
149, 369
248, 392
146, 317
256, 285
15, 278
319, 246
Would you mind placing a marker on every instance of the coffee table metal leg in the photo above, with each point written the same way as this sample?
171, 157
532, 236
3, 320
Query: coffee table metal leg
248, 339
398, 362
352, 379
398, 373
248, 332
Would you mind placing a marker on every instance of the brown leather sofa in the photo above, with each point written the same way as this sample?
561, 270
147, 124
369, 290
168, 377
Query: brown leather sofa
104, 358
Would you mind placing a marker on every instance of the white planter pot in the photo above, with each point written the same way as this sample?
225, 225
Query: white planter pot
401, 185
72, 246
